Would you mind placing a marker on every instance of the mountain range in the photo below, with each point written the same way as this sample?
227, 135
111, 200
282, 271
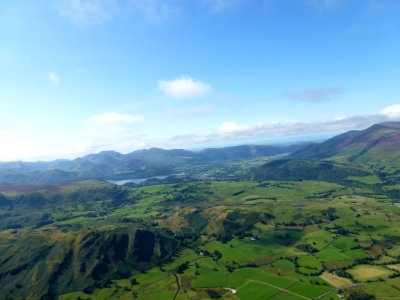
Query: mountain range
375, 149
297, 214
138, 164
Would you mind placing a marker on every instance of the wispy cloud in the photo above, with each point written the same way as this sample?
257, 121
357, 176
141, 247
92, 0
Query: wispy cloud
382, 6
230, 127
120, 132
292, 128
319, 5
190, 110
218, 6
234, 132
54, 79
184, 87
115, 118
93, 12
111, 130
155, 11
87, 12
116, 137
313, 95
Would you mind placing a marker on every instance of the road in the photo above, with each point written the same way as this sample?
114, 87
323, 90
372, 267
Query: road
178, 284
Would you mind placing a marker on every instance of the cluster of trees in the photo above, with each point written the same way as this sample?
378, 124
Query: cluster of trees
360, 295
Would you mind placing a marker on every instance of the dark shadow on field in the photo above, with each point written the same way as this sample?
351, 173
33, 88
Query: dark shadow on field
285, 237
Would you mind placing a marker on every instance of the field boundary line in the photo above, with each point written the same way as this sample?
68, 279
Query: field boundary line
274, 286
324, 294
280, 292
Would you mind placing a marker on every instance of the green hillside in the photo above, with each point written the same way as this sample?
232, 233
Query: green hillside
376, 148
138, 164
40, 264
252, 228
296, 170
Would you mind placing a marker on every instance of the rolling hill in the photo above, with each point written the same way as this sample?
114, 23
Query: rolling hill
298, 169
376, 148
138, 164
41, 266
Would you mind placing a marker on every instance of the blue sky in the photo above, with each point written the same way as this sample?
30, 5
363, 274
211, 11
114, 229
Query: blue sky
82, 76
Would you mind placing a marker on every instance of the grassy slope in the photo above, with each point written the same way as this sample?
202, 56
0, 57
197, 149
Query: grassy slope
299, 211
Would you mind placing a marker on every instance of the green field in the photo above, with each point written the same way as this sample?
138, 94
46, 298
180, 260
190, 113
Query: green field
235, 240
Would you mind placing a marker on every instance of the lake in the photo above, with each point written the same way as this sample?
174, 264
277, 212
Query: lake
136, 180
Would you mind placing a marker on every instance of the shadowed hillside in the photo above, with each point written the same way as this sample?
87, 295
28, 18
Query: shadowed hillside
43, 264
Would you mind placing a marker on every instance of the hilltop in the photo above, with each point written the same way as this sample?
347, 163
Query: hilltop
376, 147
137, 164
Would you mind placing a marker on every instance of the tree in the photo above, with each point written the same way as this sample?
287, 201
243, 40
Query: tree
360, 295
213, 294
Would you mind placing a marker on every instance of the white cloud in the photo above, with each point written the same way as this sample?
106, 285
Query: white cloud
121, 132
184, 87
54, 79
228, 128
392, 111
113, 117
234, 131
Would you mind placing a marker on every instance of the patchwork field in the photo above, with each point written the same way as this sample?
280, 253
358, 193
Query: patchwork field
336, 281
234, 240
365, 272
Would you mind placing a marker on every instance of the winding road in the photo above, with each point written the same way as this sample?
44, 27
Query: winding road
178, 284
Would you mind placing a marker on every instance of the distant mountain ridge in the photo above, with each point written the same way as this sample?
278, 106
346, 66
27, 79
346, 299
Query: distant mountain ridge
141, 163
377, 147
298, 170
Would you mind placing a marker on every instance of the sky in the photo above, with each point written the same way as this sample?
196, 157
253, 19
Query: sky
84, 76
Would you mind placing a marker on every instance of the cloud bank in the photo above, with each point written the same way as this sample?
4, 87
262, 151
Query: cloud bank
234, 132
392, 111
120, 132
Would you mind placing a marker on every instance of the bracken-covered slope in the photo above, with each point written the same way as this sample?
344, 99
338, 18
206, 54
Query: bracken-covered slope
377, 147
40, 264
